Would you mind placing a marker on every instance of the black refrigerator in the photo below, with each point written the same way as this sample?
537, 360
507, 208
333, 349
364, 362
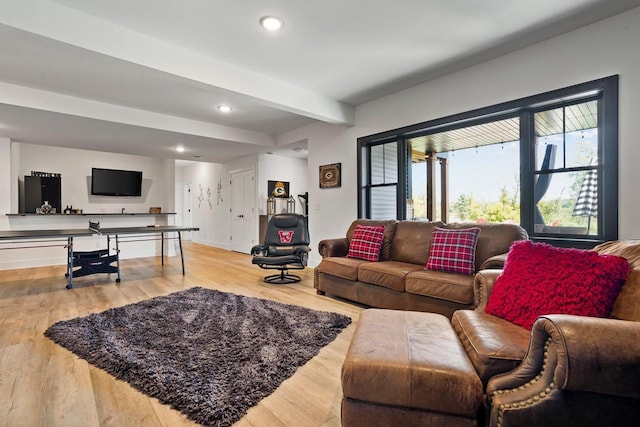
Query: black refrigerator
40, 189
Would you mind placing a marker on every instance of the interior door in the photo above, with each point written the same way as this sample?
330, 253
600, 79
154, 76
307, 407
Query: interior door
187, 219
243, 211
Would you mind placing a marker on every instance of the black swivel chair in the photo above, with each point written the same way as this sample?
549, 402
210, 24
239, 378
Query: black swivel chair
286, 247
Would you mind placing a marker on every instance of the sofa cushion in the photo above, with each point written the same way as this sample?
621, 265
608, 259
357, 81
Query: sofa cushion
389, 231
412, 241
627, 305
405, 359
389, 274
344, 267
445, 286
494, 345
628, 249
494, 239
453, 251
366, 242
542, 279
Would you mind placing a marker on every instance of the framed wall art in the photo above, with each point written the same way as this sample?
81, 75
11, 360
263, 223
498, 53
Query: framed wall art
278, 189
330, 176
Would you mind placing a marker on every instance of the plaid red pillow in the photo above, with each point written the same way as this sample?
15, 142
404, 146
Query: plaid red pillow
453, 251
366, 242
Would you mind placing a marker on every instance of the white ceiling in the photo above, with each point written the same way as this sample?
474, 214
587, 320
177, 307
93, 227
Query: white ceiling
145, 76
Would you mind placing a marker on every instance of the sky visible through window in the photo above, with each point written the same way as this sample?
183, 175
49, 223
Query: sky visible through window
485, 171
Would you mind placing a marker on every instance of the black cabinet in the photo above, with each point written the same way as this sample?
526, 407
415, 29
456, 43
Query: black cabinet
40, 189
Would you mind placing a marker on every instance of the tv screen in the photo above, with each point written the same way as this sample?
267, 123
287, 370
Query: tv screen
114, 182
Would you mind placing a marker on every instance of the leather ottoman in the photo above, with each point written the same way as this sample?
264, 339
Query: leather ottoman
408, 368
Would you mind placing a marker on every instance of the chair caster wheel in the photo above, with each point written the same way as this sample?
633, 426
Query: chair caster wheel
69, 286
117, 280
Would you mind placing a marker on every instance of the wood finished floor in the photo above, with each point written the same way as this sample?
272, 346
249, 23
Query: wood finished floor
43, 384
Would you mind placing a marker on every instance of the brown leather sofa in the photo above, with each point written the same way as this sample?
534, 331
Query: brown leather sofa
568, 370
414, 369
399, 280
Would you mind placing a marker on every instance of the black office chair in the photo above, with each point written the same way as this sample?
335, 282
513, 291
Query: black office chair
286, 247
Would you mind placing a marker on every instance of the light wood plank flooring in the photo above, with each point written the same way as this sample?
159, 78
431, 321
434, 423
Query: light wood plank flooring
43, 384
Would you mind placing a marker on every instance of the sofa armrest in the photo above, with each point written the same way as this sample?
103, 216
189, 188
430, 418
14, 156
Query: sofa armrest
574, 364
494, 262
333, 247
482, 285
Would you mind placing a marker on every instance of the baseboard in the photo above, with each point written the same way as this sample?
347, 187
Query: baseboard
212, 243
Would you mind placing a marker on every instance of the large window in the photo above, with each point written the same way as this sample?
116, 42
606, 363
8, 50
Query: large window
548, 162
566, 173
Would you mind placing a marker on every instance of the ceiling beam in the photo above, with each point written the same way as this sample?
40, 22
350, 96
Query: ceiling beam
48, 101
63, 24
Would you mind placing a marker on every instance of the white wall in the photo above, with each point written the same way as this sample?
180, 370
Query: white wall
599, 50
278, 168
215, 221
209, 213
75, 167
19, 159
5, 176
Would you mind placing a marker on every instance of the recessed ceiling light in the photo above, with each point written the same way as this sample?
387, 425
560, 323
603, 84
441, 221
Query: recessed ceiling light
271, 23
224, 108
180, 149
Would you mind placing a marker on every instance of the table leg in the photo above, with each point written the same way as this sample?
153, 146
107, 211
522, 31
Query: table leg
70, 261
181, 254
117, 259
162, 246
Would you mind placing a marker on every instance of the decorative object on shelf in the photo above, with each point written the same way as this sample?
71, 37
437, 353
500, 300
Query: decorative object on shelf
279, 189
68, 210
330, 176
291, 205
78, 211
46, 174
94, 225
271, 205
46, 209
155, 210
304, 202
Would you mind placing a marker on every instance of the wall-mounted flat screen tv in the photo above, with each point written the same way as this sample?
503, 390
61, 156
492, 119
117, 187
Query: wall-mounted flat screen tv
115, 182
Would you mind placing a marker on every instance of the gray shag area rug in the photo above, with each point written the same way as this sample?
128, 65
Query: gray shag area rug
209, 354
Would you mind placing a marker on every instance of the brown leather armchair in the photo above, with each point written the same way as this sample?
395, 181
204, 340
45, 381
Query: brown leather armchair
577, 370
581, 371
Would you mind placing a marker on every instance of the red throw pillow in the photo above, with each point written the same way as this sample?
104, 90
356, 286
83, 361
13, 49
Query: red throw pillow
453, 250
541, 279
366, 242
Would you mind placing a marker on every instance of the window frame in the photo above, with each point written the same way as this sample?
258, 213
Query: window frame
605, 90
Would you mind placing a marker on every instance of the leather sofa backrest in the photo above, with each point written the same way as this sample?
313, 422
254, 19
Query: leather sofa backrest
627, 305
389, 231
494, 239
412, 241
